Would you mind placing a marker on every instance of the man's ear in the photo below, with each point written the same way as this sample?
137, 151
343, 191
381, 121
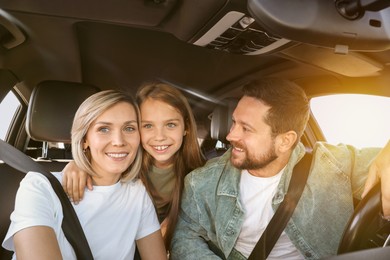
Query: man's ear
286, 141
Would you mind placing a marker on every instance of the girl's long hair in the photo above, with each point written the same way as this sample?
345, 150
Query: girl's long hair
186, 159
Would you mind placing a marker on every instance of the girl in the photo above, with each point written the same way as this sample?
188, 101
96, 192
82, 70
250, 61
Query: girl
169, 137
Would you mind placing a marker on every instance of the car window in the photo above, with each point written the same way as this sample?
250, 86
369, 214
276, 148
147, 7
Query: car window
359, 120
9, 106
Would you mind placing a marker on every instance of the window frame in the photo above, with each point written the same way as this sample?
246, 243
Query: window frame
16, 134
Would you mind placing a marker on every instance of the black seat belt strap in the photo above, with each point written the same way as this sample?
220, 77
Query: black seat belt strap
285, 210
70, 224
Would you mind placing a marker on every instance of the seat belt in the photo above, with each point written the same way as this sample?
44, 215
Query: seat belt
70, 224
285, 210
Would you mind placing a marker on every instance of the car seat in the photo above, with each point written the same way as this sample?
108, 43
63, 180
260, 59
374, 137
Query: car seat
221, 121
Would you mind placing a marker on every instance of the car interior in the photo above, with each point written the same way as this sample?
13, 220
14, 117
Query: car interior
54, 54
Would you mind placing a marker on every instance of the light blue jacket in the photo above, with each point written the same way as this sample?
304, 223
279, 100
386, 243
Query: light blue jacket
211, 210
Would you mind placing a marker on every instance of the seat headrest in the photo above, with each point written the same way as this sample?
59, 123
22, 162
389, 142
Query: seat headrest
52, 107
221, 119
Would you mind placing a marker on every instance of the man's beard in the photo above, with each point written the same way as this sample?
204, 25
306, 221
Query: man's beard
251, 162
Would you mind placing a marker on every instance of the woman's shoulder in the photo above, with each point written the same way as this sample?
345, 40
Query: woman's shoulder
135, 185
37, 178
35, 182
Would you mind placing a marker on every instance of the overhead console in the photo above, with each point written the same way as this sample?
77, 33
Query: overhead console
340, 24
265, 26
238, 33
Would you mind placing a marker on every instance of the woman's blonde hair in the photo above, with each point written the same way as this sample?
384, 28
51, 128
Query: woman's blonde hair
88, 111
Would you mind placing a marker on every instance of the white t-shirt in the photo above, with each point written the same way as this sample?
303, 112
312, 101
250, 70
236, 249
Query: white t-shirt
256, 195
112, 217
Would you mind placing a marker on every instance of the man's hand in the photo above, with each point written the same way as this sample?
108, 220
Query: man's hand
380, 170
74, 181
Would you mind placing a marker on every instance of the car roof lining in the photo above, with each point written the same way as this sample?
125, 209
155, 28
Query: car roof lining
160, 48
183, 18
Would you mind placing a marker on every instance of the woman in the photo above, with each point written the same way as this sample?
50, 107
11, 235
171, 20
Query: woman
117, 215
169, 137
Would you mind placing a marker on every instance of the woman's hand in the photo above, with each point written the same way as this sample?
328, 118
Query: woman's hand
74, 182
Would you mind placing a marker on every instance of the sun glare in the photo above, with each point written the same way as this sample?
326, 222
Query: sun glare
359, 120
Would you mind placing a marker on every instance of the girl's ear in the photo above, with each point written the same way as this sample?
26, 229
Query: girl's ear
185, 133
286, 141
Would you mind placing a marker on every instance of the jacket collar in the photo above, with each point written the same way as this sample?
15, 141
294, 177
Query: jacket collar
229, 183
296, 155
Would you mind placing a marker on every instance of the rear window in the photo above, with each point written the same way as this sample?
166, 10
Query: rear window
8, 110
359, 120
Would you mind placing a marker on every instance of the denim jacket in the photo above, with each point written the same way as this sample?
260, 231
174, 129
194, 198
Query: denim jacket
211, 211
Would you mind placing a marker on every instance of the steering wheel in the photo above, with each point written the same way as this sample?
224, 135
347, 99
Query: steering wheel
366, 228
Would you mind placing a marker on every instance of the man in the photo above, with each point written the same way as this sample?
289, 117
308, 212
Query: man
228, 203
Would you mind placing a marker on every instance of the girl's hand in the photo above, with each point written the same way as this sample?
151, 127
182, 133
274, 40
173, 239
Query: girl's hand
74, 182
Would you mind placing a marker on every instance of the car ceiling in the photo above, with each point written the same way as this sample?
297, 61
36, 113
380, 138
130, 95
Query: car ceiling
120, 44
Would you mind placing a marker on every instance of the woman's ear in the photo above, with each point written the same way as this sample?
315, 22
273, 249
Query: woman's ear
286, 141
85, 145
